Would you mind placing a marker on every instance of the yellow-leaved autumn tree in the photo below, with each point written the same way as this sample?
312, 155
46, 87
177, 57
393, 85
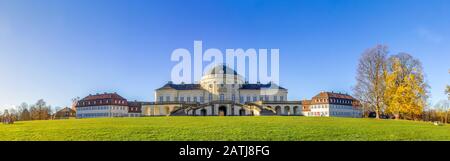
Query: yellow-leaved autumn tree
405, 93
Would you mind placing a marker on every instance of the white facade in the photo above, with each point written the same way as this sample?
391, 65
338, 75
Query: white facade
334, 110
220, 92
102, 111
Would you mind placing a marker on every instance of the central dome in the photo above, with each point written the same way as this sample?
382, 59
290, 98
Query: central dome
221, 69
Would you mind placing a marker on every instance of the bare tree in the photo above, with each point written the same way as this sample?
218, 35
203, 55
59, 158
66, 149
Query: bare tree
40, 110
443, 107
23, 112
447, 91
13, 114
370, 79
7, 118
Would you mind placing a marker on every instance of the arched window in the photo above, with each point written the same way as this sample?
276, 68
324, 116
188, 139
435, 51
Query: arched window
287, 110
295, 112
203, 112
278, 110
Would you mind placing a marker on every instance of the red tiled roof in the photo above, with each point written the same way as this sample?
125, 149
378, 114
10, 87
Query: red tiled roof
102, 96
306, 102
333, 95
102, 99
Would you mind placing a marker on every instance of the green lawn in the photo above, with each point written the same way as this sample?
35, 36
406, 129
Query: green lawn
268, 128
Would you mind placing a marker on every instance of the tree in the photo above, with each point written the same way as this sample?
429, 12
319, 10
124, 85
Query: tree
13, 114
34, 114
7, 118
406, 90
443, 107
40, 110
370, 79
23, 112
447, 91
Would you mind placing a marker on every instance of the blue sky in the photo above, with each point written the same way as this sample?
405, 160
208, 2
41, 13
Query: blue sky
60, 49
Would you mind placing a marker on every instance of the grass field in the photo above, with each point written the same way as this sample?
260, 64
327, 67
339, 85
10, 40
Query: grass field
271, 128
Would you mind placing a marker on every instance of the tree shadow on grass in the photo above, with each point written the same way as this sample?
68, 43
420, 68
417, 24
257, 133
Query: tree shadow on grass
11, 124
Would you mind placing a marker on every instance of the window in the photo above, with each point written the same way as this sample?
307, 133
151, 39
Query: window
266, 98
248, 98
210, 97
222, 97
182, 99
233, 97
275, 98
195, 99
161, 98
254, 98
168, 98
202, 99
188, 99
241, 99
281, 98
261, 98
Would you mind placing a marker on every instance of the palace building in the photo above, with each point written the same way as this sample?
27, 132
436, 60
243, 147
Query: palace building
334, 105
102, 105
220, 92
